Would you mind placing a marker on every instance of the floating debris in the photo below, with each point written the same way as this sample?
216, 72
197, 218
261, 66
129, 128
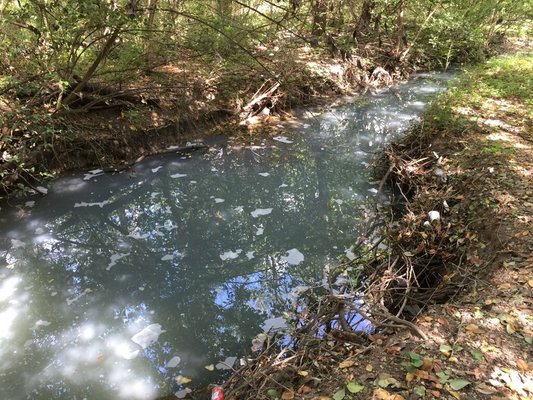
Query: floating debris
260, 212
282, 139
230, 255
148, 335
293, 257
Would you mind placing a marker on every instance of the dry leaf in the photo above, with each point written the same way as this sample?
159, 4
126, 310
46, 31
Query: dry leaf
369, 368
428, 364
210, 367
409, 377
181, 380
473, 328
287, 395
422, 374
304, 390
382, 394
347, 364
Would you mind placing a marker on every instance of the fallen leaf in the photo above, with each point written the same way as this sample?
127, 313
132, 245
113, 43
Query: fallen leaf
530, 283
420, 390
385, 380
428, 364
458, 383
445, 349
347, 364
476, 354
304, 389
210, 367
409, 377
339, 395
354, 387
454, 394
382, 394
287, 395
473, 328
303, 373
435, 393
369, 368
422, 374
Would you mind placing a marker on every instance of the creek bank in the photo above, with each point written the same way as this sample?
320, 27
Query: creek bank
458, 266
165, 109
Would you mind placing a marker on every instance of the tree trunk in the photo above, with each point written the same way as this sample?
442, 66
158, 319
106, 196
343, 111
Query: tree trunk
401, 40
149, 50
365, 19
320, 17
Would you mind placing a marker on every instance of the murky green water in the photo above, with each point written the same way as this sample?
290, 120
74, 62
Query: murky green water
111, 287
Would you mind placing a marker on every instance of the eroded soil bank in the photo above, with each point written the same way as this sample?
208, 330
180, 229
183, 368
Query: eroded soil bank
452, 294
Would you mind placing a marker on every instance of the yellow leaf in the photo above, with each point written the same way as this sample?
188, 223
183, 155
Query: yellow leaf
510, 329
454, 394
347, 364
409, 377
210, 367
369, 368
530, 283
287, 395
505, 286
303, 373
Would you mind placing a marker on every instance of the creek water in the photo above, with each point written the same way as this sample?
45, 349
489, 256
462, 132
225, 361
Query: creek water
121, 286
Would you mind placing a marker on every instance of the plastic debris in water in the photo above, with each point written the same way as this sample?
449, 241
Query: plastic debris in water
282, 139
174, 361
226, 364
230, 255
217, 393
148, 335
293, 257
260, 212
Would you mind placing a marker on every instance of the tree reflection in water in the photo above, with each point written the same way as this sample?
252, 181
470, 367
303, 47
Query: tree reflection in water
201, 251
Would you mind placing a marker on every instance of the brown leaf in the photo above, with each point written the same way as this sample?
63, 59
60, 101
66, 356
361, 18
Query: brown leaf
435, 393
409, 377
304, 389
369, 368
428, 364
473, 328
422, 374
287, 395
347, 364
382, 394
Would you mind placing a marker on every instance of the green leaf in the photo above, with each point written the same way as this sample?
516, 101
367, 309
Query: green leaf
273, 394
443, 376
445, 349
354, 387
339, 395
416, 359
420, 391
459, 383
477, 354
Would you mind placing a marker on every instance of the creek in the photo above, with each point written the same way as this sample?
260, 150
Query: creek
125, 286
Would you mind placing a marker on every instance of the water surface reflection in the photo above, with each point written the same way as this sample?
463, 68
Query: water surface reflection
116, 286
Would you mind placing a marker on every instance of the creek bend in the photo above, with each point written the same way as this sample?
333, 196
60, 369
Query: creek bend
118, 286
